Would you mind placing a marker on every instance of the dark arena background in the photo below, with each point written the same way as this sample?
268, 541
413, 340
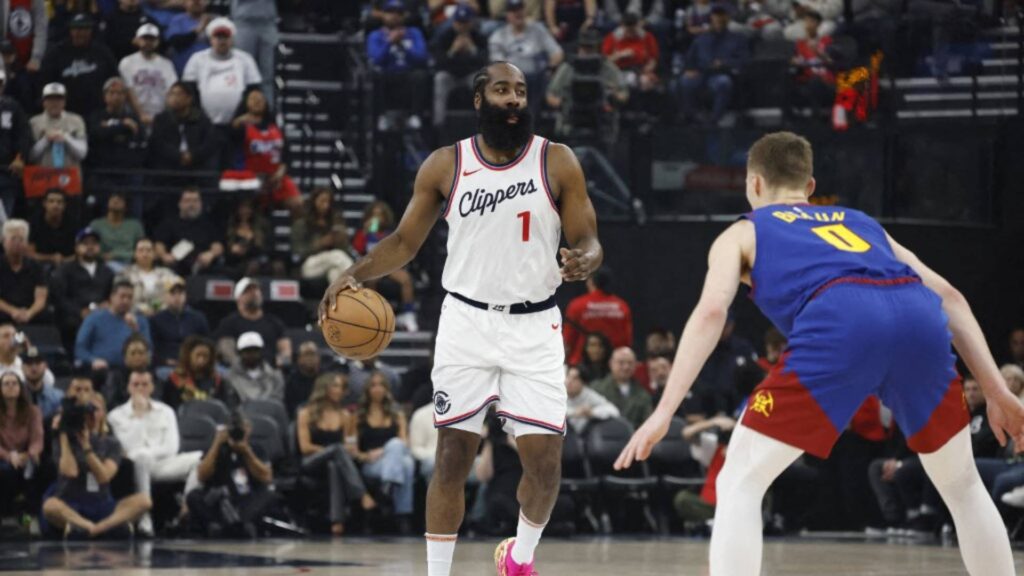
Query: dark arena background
180, 180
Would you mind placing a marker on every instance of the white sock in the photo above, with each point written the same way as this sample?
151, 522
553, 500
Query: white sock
984, 544
752, 462
440, 549
527, 538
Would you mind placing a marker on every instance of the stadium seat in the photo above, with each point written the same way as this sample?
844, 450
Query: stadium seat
578, 480
605, 441
670, 459
213, 409
266, 435
196, 431
273, 410
45, 337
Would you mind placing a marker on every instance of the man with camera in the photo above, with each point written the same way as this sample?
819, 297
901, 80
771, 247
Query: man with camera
235, 479
587, 91
80, 503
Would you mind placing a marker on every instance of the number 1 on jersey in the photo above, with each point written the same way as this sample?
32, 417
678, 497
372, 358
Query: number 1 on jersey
525, 217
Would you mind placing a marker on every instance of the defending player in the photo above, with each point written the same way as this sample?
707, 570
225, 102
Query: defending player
863, 315
506, 195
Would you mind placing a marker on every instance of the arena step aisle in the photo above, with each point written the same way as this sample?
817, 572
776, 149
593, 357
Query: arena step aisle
321, 99
994, 90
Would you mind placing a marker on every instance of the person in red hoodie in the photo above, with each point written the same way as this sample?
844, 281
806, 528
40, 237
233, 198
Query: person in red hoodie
635, 51
597, 311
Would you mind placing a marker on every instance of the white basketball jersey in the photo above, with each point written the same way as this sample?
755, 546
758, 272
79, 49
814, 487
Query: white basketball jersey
504, 227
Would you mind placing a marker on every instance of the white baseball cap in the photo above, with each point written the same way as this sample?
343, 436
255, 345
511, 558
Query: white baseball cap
147, 30
54, 89
244, 285
249, 340
219, 24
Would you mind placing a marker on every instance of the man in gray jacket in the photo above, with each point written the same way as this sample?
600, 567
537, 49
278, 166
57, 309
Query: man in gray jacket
251, 376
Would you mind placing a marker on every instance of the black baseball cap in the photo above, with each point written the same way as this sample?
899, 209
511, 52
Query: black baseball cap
515, 5
86, 232
81, 20
31, 354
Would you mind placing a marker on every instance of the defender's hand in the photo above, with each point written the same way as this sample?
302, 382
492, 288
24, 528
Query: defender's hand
330, 299
643, 441
576, 264
1006, 417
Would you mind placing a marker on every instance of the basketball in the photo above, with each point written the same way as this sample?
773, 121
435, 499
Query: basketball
360, 326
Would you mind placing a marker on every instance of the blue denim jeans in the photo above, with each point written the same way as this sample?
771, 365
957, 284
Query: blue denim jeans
396, 467
719, 85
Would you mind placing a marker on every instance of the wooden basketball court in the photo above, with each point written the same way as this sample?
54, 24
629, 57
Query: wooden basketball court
405, 557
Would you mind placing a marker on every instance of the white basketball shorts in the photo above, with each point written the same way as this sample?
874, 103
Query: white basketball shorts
514, 360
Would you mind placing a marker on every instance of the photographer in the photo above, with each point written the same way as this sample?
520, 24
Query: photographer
80, 503
587, 90
235, 479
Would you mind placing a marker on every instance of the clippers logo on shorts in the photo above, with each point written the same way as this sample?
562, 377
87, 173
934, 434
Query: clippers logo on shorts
763, 404
442, 403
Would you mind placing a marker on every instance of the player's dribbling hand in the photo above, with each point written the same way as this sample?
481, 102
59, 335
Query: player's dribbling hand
330, 299
576, 264
643, 440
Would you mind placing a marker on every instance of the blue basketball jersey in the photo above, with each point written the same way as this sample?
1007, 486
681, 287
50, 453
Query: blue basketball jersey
801, 248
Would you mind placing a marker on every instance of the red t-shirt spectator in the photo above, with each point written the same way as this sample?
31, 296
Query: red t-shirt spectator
811, 53
264, 148
597, 311
642, 49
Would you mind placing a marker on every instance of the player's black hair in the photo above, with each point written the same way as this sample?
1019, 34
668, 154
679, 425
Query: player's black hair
670, 356
603, 279
81, 372
483, 77
659, 331
56, 191
121, 283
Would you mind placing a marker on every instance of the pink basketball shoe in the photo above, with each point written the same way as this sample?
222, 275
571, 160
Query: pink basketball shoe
505, 565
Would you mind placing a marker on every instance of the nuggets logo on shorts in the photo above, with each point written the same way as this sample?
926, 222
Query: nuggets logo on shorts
763, 404
442, 404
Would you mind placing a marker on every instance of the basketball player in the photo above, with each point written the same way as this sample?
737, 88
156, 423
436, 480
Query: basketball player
863, 315
506, 195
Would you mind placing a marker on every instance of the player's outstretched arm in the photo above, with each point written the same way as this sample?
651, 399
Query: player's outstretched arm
726, 262
399, 247
1006, 414
579, 221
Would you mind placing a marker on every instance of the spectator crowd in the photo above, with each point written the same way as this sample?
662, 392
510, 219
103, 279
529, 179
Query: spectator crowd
118, 395
590, 61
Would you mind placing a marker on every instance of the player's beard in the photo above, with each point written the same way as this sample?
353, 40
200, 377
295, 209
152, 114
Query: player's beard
492, 122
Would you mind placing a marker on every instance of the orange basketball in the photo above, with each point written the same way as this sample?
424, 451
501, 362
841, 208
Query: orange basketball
360, 326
